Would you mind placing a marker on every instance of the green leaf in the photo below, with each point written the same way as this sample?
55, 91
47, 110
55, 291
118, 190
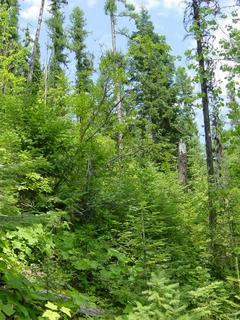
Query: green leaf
24, 311
51, 306
8, 309
85, 264
66, 311
14, 281
51, 315
2, 316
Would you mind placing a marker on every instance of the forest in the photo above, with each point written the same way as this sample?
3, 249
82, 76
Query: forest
112, 206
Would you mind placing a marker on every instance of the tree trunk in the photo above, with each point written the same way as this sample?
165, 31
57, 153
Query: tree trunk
47, 65
182, 162
36, 41
118, 85
205, 104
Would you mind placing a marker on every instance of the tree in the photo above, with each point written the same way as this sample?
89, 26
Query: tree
36, 72
186, 98
12, 56
36, 46
13, 7
197, 14
163, 301
230, 53
58, 42
111, 9
151, 77
78, 34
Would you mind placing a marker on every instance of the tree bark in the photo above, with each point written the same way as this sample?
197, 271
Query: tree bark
182, 162
118, 85
205, 104
36, 42
46, 74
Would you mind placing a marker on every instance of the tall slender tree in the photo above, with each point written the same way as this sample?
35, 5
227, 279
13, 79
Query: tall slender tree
184, 87
198, 26
111, 10
36, 77
58, 41
36, 48
151, 76
84, 65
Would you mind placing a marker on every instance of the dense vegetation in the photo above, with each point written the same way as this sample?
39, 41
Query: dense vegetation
101, 215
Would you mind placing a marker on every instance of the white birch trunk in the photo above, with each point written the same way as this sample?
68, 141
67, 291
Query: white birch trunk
118, 85
36, 41
182, 162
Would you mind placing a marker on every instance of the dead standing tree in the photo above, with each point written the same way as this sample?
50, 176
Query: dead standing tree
111, 8
197, 15
182, 162
36, 41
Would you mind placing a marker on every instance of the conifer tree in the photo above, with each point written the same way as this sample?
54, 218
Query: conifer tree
36, 72
12, 54
58, 41
111, 10
27, 41
185, 100
83, 59
36, 45
151, 74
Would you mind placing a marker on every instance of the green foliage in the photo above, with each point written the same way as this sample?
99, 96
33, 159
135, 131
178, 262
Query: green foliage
12, 56
163, 301
37, 76
151, 71
90, 231
12, 6
52, 312
58, 43
19, 299
110, 7
84, 66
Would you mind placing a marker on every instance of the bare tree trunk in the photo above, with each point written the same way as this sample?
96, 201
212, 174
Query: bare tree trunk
48, 60
205, 104
118, 85
182, 162
46, 85
36, 42
113, 32
217, 146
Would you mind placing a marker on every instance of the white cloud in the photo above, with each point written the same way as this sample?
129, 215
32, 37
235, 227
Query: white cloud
31, 11
31, 8
153, 4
